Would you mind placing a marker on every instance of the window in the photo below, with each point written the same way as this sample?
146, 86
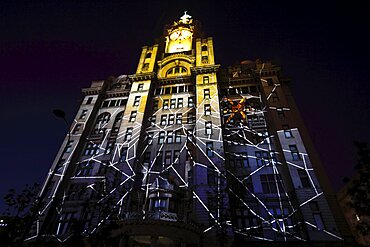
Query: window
76, 129
173, 103
177, 136
209, 149
128, 134
148, 55
294, 152
140, 87
160, 204
206, 94
165, 104
146, 160
110, 147
190, 118
274, 96
208, 128
204, 59
155, 105
211, 177
84, 169
270, 82
204, 48
180, 103
167, 90
191, 102
305, 180
169, 137
117, 122
149, 140
123, 154
318, 220
101, 122
179, 118
105, 103
163, 119
145, 66
261, 157
159, 158
161, 137
68, 147
168, 157
244, 159
133, 116
287, 131
91, 149
269, 182
152, 120
171, 119
281, 114
205, 79
176, 156
207, 109
89, 100
137, 101
83, 114
174, 89
314, 206
181, 89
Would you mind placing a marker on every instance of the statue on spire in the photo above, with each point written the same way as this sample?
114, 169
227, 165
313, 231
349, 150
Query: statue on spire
185, 19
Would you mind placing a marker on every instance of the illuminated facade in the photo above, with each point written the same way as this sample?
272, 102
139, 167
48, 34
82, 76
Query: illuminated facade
185, 153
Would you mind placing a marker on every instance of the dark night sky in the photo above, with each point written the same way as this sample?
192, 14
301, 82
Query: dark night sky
49, 50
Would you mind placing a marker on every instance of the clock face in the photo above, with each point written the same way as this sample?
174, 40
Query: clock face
180, 35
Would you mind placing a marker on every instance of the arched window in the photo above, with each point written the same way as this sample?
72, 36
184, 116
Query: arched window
117, 122
176, 71
101, 122
148, 55
204, 48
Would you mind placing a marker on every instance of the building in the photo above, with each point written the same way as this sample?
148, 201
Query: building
187, 153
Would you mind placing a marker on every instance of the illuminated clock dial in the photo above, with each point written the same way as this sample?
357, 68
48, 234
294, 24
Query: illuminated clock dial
180, 35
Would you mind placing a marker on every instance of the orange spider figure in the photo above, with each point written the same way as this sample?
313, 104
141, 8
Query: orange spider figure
238, 110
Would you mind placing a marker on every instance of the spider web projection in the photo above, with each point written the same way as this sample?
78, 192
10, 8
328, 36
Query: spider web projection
261, 203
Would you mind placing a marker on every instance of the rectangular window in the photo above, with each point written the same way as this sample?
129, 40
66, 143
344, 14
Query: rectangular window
176, 157
244, 159
178, 136
89, 100
168, 157
314, 206
159, 158
161, 137
174, 89
137, 101
91, 149
146, 160
190, 118
274, 96
269, 182
155, 105
171, 119
163, 119
167, 90
209, 149
207, 109
179, 118
287, 131
169, 137
294, 152
180, 102
204, 59
319, 222
140, 87
211, 177
68, 147
305, 180
123, 154
76, 129
145, 66
149, 140
191, 102
128, 134
208, 128
165, 104
205, 79
110, 147
280, 112
181, 89
262, 157
173, 103
112, 103
83, 114
133, 116
105, 103
206, 94
153, 120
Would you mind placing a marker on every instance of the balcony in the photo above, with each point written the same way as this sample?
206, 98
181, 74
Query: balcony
156, 215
